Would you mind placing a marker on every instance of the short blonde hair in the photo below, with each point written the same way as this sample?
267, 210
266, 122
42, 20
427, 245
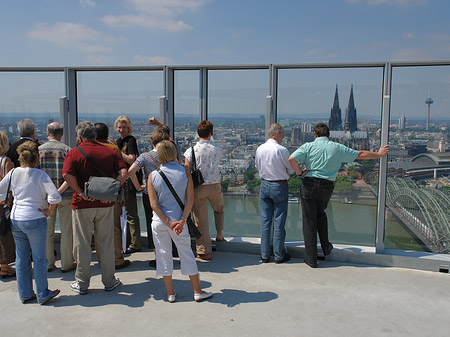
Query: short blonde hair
166, 151
28, 152
126, 120
4, 144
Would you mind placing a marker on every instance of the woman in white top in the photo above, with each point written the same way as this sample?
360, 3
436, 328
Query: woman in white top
169, 220
31, 189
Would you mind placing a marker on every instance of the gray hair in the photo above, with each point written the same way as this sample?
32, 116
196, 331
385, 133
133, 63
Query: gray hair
25, 127
86, 131
274, 128
55, 129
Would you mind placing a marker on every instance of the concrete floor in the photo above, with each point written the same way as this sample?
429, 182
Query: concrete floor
250, 299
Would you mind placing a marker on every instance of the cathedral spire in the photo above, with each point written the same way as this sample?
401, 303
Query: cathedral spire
350, 123
335, 121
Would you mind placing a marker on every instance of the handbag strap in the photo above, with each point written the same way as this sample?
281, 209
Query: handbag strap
9, 186
90, 161
169, 185
194, 163
154, 161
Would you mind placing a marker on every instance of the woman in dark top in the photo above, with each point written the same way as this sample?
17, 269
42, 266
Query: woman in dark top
128, 145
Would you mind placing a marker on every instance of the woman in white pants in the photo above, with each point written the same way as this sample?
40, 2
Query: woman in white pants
169, 220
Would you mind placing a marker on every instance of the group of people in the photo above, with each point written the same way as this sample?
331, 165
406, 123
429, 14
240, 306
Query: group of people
321, 160
51, 177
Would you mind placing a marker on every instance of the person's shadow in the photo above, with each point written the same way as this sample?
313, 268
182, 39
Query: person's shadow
233, 297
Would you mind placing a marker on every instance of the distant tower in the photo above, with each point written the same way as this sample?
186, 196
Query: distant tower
296, 133
428, 102
350, 123
402, 122
335, 121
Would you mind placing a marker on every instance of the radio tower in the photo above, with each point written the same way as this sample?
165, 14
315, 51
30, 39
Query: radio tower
428, 102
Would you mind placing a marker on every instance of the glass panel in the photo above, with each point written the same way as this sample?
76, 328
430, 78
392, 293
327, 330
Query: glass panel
418, 185
104, 96
29, 95
309, 96
236, 107
187, 107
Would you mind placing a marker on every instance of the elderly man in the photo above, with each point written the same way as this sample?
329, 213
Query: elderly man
26, 131
51, 160
89, 214
323, 159
272, 162
207, 157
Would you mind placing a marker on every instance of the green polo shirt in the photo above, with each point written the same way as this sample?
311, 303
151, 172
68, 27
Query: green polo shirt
323, 157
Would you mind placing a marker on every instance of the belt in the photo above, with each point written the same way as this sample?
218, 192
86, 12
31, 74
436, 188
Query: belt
276, 181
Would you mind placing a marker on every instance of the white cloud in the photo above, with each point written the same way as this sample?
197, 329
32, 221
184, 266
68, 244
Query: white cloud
411, 54
408, 35
440, 37
391, 2
63, 33
145, 21
160, 14
100, 59
90, 48
159, 60
87, 3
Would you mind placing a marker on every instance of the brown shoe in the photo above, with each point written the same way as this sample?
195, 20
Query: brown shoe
204, 256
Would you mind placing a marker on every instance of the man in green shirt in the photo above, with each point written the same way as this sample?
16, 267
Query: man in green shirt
322, 159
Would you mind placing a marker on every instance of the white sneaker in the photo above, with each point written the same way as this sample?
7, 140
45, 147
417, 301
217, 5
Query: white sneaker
202, 296
75, 286
171, 298
114, 286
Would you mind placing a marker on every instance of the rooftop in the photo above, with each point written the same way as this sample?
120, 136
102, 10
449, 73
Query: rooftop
250, 299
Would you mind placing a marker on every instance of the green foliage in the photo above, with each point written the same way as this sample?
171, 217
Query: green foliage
253, 185
225, 184
343, 186
250, 174
294, 184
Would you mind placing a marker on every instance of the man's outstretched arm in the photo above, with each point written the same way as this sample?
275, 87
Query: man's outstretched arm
383, 151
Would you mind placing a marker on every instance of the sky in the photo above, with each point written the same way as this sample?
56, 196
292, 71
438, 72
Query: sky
193, 32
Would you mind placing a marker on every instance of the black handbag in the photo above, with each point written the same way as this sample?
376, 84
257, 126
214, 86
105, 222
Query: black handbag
5, 211
102, 188
192, 228
197, 177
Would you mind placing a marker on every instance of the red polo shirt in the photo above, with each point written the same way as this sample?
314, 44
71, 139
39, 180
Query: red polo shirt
75, 164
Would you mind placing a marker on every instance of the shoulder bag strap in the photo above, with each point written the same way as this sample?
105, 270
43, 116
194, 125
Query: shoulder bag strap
169, 185
90, 161
9, 186
194, 163
154, 161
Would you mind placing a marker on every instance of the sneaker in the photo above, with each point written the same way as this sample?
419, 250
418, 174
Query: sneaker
202, 296
75, 286
114, 286
171, 298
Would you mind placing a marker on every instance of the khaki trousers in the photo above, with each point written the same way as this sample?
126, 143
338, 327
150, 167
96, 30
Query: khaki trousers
99, 221
64, 210
202, 194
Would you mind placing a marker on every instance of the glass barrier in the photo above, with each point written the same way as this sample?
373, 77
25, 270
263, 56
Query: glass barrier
32, 95
418, 185
349, 102
236, 107
104, 96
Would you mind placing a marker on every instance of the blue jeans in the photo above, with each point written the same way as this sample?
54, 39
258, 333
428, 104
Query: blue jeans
31, 235
273, 202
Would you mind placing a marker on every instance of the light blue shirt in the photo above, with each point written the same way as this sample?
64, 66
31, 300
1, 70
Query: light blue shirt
323, 157
167, 202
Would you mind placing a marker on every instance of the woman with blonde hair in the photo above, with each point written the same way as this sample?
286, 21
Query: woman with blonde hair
128, 145
35, 198
7, 248
169, 220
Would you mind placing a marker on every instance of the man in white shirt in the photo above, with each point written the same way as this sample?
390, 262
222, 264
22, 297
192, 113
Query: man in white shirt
272, 162
207, 157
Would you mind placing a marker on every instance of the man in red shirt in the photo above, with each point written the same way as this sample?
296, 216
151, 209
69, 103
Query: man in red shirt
89, 214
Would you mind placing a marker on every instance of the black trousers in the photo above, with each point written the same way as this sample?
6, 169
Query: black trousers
148, 219
316, 194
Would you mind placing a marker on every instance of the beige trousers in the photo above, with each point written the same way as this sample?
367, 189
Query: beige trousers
202, 194
99, 221
64, 210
